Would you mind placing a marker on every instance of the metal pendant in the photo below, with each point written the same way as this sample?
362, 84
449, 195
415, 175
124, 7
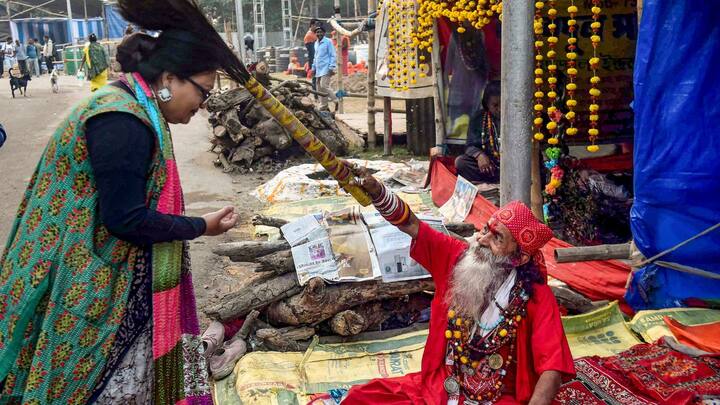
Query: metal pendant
452, 387
471, 402
467, 370
495, 361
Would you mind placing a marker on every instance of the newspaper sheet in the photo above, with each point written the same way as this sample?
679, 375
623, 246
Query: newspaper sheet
457, 208
334, 246
392, 248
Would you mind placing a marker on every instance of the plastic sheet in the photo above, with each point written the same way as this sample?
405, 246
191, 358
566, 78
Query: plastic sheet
677, 150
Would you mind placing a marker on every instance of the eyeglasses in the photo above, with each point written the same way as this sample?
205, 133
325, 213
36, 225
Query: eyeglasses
203, 92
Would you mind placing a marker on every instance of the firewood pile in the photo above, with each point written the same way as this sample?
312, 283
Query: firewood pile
244, 134
282, 315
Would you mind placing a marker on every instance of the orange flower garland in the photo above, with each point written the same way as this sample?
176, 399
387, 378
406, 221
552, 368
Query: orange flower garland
571, 55
593, 132
538, 108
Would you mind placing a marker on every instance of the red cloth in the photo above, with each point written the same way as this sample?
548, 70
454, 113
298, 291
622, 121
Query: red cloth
597, 280
541, 343
665, 375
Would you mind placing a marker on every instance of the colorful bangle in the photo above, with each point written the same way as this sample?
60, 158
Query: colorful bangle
391, 207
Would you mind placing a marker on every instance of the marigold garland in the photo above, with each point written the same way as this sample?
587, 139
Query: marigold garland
593, 132
538, 108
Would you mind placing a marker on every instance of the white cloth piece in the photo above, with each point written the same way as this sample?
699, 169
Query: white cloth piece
492, 312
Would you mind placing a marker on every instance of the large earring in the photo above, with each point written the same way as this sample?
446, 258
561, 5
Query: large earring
164, 95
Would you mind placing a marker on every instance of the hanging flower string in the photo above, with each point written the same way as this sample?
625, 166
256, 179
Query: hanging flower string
571, 55
552, 110
593, 132
538, 108
402, 54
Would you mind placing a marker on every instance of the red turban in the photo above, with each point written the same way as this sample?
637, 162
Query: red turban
529, 233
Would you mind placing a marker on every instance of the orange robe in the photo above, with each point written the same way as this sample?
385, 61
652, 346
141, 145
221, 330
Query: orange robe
541, 343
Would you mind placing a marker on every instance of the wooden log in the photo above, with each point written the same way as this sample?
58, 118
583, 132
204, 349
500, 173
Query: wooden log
359, 319
239, 303
247, 326
286, 339
279, 262
220, 131
229, 99
227, 167
244, 153
319, 302
248, 251
268, 221
585, 253
571, 300
273, 133
263, 151
306, 104
230, 120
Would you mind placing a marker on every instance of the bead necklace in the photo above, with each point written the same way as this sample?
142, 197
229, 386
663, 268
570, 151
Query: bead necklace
470, 353
489, 135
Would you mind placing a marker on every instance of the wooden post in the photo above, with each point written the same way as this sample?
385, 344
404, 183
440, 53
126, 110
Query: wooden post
372, 136
438, 93
387, 118
536, 198
515, 103
340, 60
585, 253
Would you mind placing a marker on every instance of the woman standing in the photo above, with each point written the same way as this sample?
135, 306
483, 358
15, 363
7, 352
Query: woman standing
96, 297
95, 63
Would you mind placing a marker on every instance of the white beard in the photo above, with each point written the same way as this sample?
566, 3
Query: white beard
475, 280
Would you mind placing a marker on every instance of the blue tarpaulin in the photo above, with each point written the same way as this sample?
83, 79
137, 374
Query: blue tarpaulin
115, 23
677, 152
57, 28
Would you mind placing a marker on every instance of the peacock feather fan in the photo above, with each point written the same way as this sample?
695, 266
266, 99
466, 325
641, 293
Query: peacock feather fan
184, 15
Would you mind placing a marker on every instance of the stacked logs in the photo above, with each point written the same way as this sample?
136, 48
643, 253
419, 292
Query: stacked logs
245, 135
282, 315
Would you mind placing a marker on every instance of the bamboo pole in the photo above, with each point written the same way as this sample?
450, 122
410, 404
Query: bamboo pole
307, 140
438, 94
340, 61
372, 136
536, 199
586, 253
387, 119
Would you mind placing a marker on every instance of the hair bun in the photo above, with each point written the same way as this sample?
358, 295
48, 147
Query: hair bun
134, 50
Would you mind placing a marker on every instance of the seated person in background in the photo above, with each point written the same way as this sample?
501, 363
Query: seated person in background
481, 161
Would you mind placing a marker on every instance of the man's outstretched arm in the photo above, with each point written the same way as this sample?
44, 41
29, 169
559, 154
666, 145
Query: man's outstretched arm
390, 206
546, 388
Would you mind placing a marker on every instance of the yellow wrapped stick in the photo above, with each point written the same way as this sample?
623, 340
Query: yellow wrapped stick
307, 140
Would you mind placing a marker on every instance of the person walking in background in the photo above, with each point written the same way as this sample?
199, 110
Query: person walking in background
95, 63
9, 51
21, 57
32, 58
324, 67
2, 58
3, 136
309, 40
38, 51
49, 54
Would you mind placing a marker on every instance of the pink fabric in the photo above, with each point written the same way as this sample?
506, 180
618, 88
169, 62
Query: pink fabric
165, 311
171, 196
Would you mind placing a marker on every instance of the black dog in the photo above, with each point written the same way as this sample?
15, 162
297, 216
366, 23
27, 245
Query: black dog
19, 83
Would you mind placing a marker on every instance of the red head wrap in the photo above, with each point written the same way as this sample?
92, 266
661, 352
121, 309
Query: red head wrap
529, 233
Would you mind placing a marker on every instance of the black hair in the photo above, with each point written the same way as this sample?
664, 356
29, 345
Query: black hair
187, 45
320, 27
93, 38
492, 89
314, 22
